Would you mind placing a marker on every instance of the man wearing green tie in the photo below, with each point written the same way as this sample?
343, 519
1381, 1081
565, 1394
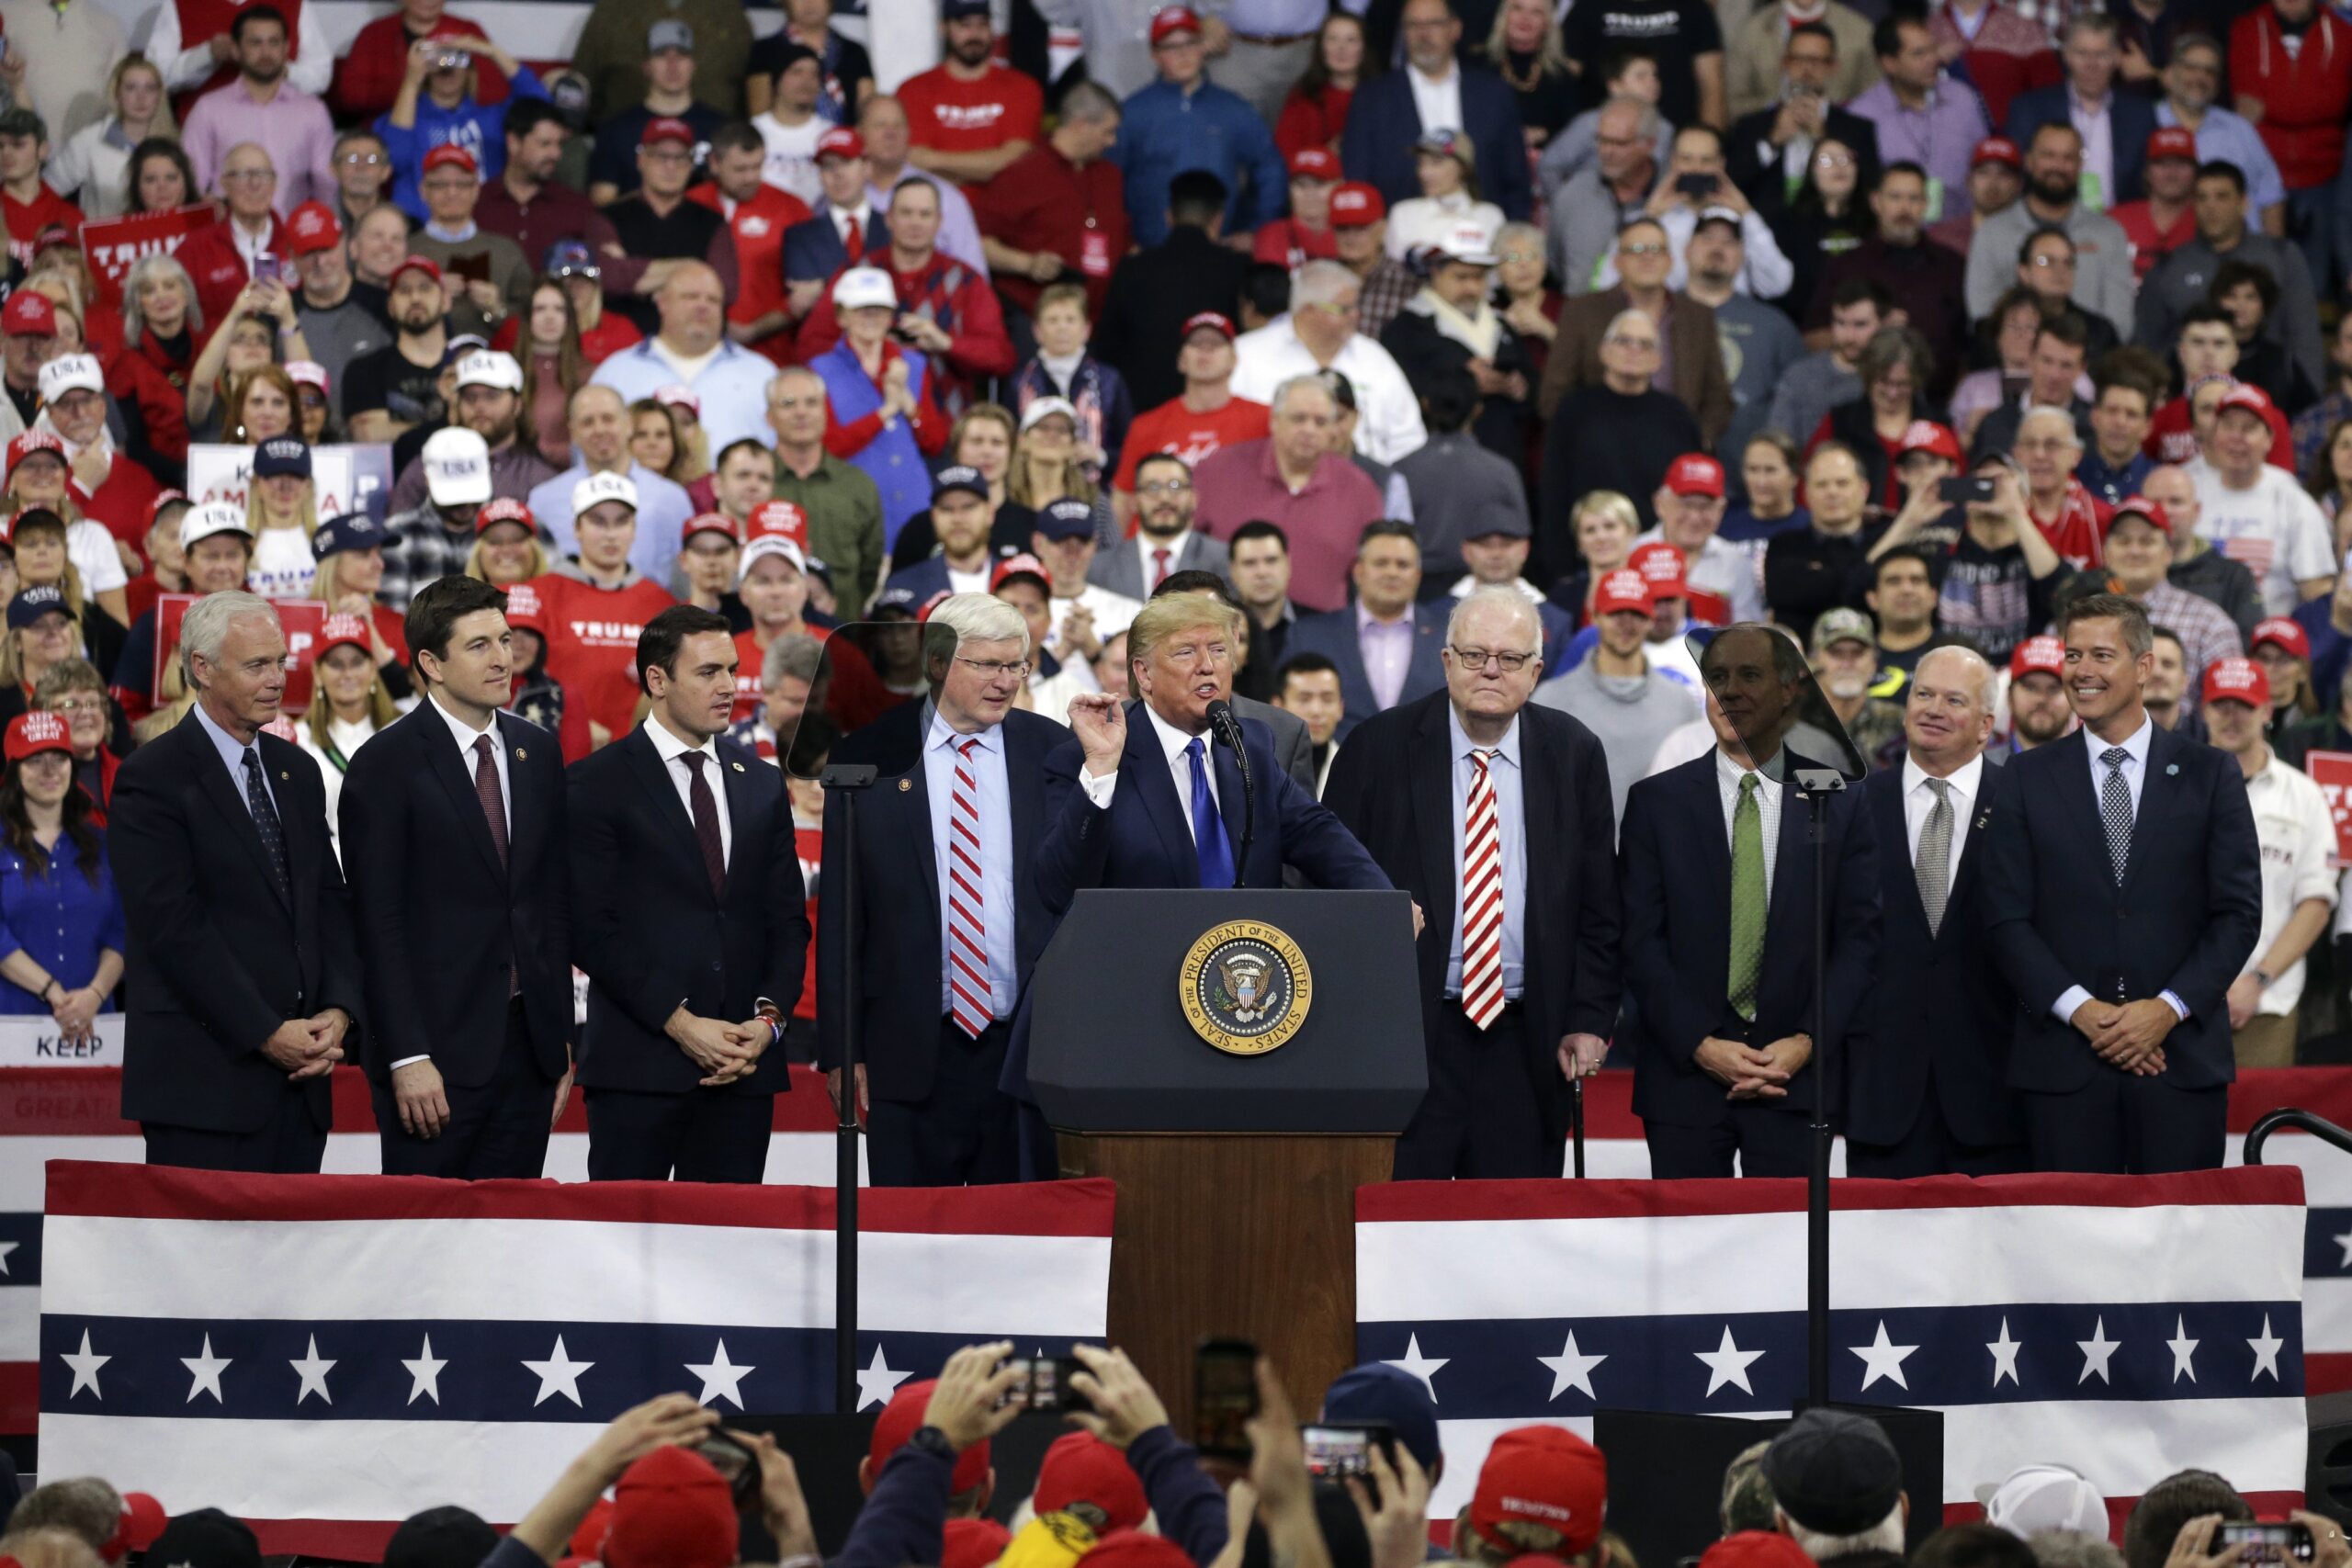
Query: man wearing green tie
1718, 882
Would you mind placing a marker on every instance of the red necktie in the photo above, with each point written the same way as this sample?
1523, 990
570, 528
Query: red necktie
1158, 568
856, 242
1482, 898
972, 1002
706, 815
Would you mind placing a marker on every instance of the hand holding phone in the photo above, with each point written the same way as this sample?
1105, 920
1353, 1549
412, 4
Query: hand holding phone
2275, 1541
1225, 1398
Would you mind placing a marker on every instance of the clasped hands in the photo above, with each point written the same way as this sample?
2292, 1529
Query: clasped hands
308, 1047
1749, 1072
2129, 1035
725, 1052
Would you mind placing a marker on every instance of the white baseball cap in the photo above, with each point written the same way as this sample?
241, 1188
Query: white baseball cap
457, 468
1046, 407
71, 373
212, 517
2037, 1497
762, 545
598, 488
488, 368
1468, 242
862, 286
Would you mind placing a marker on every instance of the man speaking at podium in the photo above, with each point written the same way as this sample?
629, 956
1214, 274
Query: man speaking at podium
1497, 817
1148, 794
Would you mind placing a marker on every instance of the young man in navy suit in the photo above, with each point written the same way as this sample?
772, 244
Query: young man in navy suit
456, 840
1926, 1090
957, 814
2125, 894
690, 919
1717, 874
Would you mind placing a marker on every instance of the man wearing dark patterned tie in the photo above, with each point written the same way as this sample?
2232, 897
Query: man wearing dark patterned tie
1716, 868
247, 983
933, 995
1925, 1085
688, 915
456, 840
2125, 894
1497, 817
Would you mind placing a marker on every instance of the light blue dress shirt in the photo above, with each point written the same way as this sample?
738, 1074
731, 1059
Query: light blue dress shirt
995, 802
1510, 823
232, 757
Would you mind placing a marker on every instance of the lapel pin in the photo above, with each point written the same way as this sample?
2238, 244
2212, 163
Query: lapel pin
520, 754
905, 785
2172, 770
737, 766
284, 775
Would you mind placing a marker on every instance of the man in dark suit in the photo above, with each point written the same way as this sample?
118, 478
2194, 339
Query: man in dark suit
1756, 151
246, 986
1385, 646
1926, 1091
453, 833
2124, 888
1385, 118
846, 227
690, 920
938, 978
1157, 289
1293, 747
1497, 817
2093, 54
1717, 872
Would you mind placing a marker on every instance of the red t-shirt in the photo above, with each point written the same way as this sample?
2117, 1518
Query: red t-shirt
2171, 438
2079, 531
1285, 242
28, 218
1044, 202
1173, 428
123, 499
948, 115
2150, 245
758, 226
591, 643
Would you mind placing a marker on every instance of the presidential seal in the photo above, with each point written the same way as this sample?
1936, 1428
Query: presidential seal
1245, 987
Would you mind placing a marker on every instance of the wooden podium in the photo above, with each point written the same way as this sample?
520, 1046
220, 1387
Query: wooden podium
1236, 1170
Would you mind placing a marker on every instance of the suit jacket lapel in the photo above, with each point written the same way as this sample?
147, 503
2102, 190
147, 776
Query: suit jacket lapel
2156, 791
1893, 830
916, 804
1022, 761
1791, 857
526, 820
2081, 793
742, 814
227, 795
447, 765
1146, 767
653, 775
1433, 787
1229, 798
1705, 805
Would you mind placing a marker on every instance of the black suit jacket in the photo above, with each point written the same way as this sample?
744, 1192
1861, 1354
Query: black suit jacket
651, 934
1940, 1009
1153, 293
1763, 181
2183, 920
1675, 869
440, 917
897, 987
1570, 932
216, 959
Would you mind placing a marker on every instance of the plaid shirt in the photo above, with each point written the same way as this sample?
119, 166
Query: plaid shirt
423, 548
2007, 29
2207, 635
1386, 289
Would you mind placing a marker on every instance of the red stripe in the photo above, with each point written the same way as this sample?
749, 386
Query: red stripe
961, 916
979, 978
158, 1192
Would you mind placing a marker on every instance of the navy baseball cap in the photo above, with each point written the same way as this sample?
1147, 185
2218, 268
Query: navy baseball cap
352, 531
1067, 520
282, 456
959, 476
901, 600
32, 603
1378, 1391
570, 258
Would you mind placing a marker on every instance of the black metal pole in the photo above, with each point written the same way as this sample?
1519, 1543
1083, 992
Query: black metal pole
1576, 1124
849, 779
1816, 1195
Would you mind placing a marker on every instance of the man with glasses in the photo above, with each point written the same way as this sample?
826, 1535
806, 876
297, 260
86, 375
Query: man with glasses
1164, 542
2047, 266
1822, 62
1593, 204
2054, 191
363, 174
661, 231
220, 259
2192, 79
1321, 333
497, 274
932, 998
1520, 980
1385, 650
1645, 257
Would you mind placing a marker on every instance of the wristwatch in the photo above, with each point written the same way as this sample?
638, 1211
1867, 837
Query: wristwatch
932, 1440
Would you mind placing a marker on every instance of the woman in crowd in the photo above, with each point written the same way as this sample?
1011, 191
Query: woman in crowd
506, 547
90, 566
1767, 469
318, 424
94, 164
1446, 166
1604, 524
282, 513
1524, 45
40, 636
260, 407
161, 320
553, 368
159, 177
348, 706
1046, 467
60, 952
1828, 216
1895, 366
350, 553
2003, 353
878, 409
2330, 482
245, 345
656, 439
1316, 112
74, 691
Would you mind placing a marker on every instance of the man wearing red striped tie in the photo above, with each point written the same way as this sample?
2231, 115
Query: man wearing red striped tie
1497, 817
948, 922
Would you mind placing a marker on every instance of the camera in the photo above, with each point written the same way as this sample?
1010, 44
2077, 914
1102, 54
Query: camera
2264, 1540
1698, 187
1965, 489
1337, 1450
453, 60
1225, 1397
1045, 1384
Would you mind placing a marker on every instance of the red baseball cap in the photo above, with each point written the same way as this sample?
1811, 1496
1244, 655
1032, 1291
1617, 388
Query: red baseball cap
1755, 1548
1927, 436
783, 517
2239, 680
312, 227
1083, 1468
2244, 395
1356, 204
671, 1510
335, 630
1541, 1475
1314, 163
1695, 473
28, 314
1022, 565
668, 128
840, 143
1173, 19
2153, 511
973, 1544
711, 523
525, 608
1998, 150
143, 1519
424, 265
29, 734
1624, 589
1214, 322
1660, 565
503, 510
32, 441
447, 154
2039, 655
2280, 632
1133, 1549
2172, 141
902, 1417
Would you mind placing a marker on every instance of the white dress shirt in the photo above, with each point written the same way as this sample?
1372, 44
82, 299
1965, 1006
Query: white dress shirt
993, 800
1437, 100
1173, 744
1919, 803
465, 738
1768, 805
670, 748
2135, 778
1506, 773
1145, 545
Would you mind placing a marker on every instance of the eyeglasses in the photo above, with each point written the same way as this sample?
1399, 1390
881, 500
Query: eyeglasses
996, 669
1164, 487
2053, 261
362, 160
1646, 344
246, 176
1833, 160
78, 704
1478, 658
1642, 248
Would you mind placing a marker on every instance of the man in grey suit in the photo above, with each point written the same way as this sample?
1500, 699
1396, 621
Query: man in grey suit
1165, 541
